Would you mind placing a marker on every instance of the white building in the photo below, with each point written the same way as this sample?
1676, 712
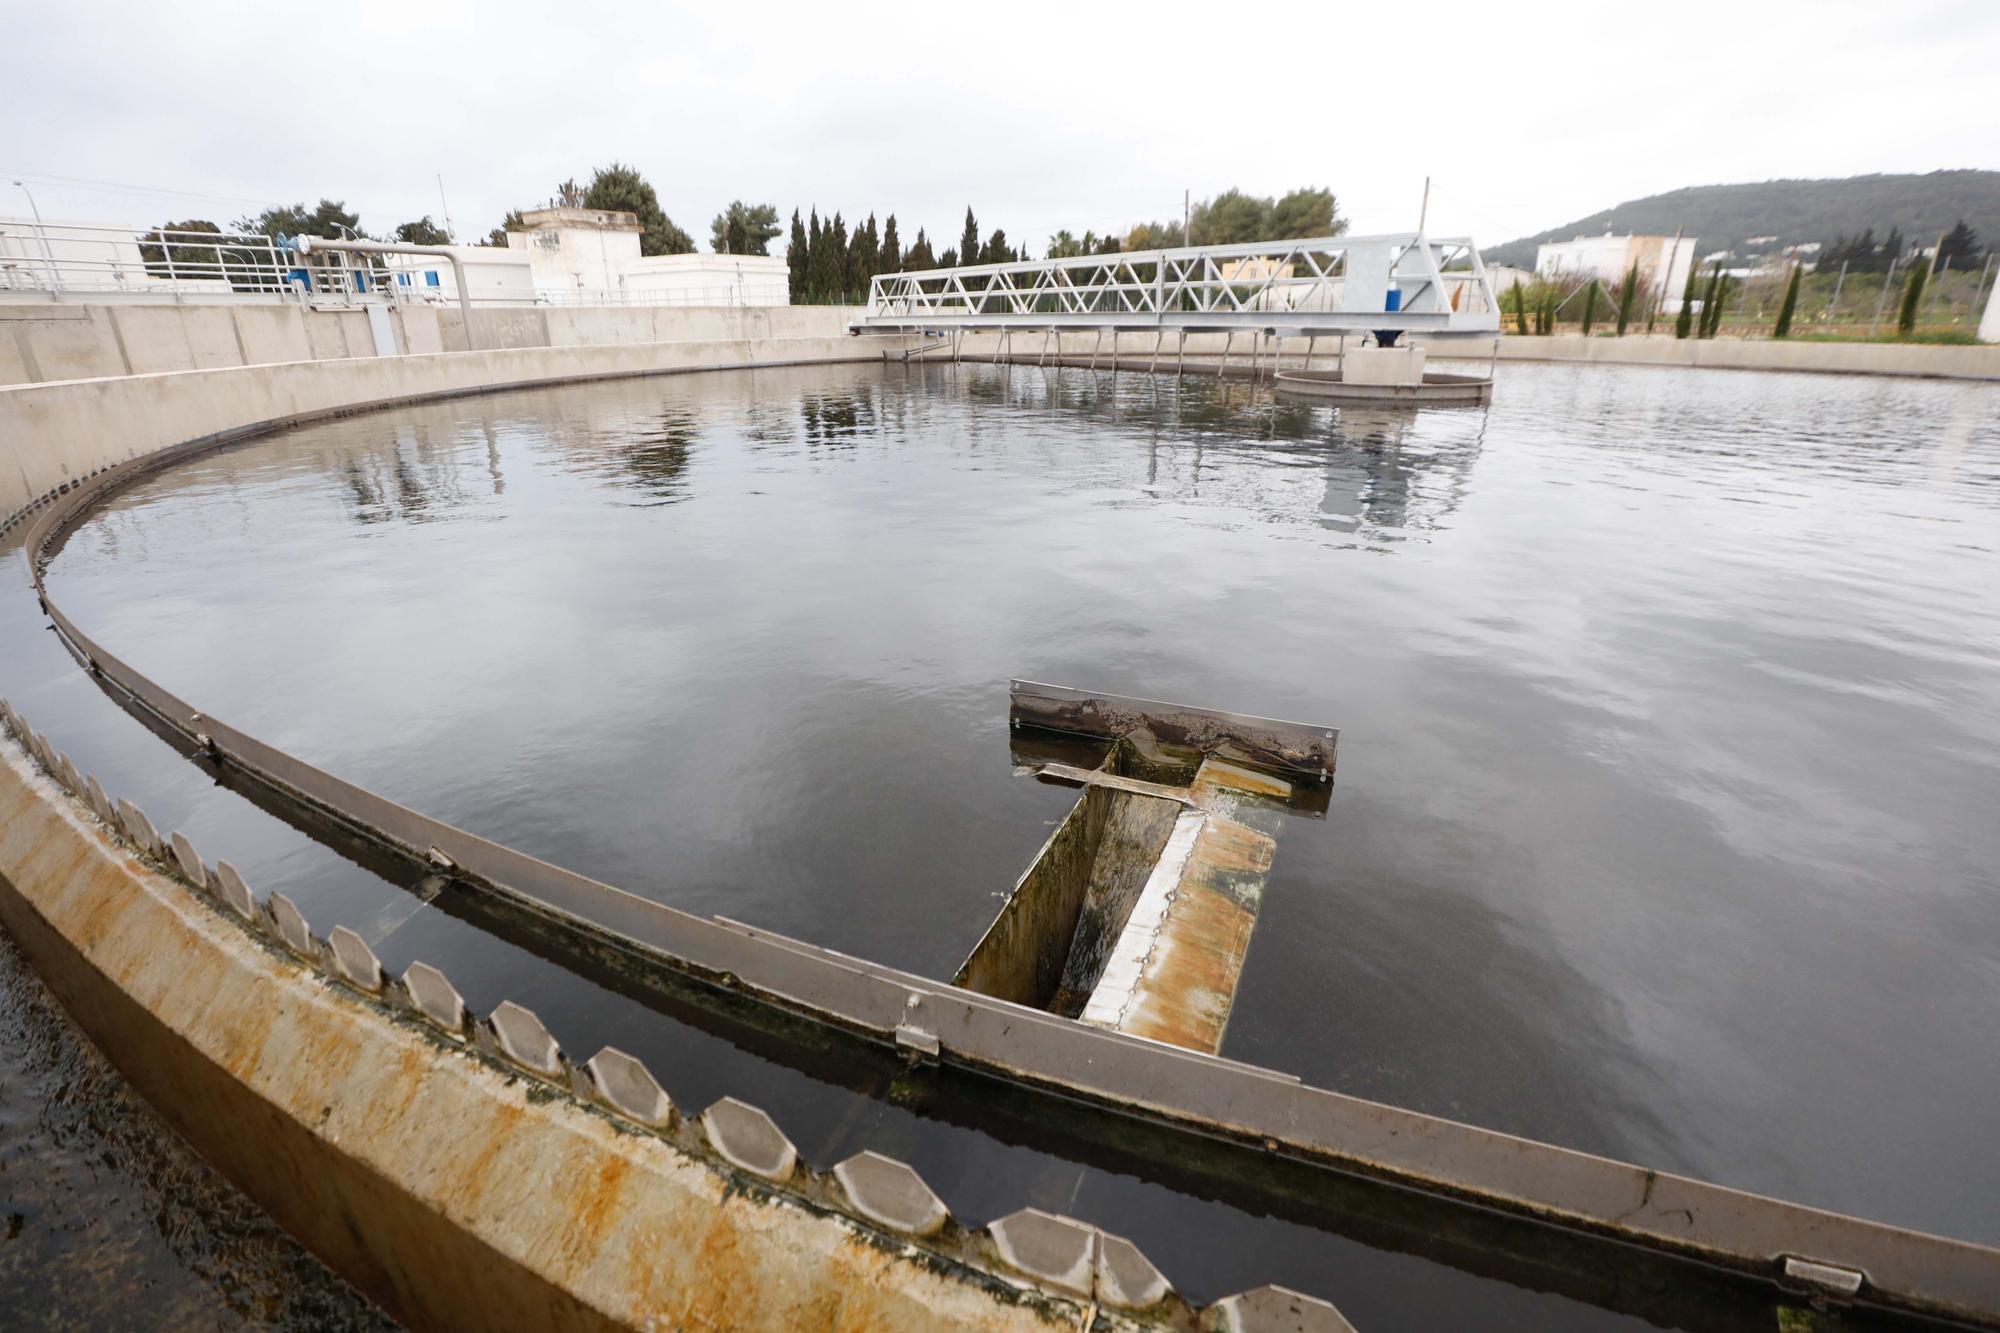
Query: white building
1663, 265
589, 256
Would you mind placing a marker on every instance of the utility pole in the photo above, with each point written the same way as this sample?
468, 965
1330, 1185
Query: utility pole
1424, 212
1667, 276
448, 229
1883, 299
1834, 305
1187, 217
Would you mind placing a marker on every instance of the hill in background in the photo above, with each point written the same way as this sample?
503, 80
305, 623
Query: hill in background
1723, 217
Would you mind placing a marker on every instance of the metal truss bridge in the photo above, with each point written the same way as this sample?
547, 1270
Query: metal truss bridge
1327, 284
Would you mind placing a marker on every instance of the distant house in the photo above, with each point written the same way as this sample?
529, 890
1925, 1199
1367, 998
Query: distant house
591, 256
1663, 265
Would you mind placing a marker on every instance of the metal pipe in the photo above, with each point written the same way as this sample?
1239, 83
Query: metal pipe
42, 234
311, 244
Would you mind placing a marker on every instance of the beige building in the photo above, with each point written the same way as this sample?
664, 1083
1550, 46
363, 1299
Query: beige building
1663, 264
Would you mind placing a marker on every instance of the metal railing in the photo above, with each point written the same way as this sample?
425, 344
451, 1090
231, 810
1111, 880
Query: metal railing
86, 258
60, 260
1407, 281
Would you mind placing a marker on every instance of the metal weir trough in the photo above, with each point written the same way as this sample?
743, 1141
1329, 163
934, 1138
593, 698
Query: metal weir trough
1136, 915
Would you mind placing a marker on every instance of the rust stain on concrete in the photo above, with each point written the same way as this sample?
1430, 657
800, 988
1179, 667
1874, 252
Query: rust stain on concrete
453, 1192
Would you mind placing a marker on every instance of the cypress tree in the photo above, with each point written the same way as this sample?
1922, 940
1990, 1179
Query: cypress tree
1789, 304
836, 261
1711, 315
796, 256
861, 253
1547, 317
1520, 311
968, 244
1906, 319
1684, 322
889, 259
1590, 307
815, 261
1627, 297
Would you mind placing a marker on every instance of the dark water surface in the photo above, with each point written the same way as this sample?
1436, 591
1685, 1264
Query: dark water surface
1670, 710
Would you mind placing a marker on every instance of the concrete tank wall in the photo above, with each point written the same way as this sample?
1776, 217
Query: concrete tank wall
43, 343
454, 1192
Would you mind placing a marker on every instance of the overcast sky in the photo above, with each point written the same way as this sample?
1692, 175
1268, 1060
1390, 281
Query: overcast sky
1070, 115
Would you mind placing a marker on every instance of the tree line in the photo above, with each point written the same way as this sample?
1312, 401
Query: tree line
828, 262
1959, 247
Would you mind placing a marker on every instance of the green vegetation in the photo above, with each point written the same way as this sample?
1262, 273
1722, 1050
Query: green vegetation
1628, 292
423, 232
1913, 295
1713, 301
743, 229
1790, 305
156, 255
1520, 310
1230, 218
511, 222
330, 219
1684, 322
622, 188
1590, 306
1724, 216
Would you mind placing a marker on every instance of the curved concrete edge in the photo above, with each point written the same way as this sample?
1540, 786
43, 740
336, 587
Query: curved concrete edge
1951, 361
1133, 349
449, 1189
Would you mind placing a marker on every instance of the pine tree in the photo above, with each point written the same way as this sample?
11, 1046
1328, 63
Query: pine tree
621, 188
796, 256
919, 257
1789, 304
1684, 322
1590, 307
1520, 310
1891, 251
889, 259
1960, 246
1913, 294
968, 244
1626, 297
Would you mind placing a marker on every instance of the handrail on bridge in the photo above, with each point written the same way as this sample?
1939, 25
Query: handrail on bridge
1327, 283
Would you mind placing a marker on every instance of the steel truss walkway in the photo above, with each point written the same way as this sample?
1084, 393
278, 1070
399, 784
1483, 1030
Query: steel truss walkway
1327, 284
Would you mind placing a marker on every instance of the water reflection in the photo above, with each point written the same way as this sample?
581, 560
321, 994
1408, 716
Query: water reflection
1668, 703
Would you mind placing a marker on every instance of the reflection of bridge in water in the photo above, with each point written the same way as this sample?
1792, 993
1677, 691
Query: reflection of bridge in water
1376, 474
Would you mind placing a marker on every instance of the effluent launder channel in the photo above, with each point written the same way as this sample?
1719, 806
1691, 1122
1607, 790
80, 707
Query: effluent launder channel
1668, 713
